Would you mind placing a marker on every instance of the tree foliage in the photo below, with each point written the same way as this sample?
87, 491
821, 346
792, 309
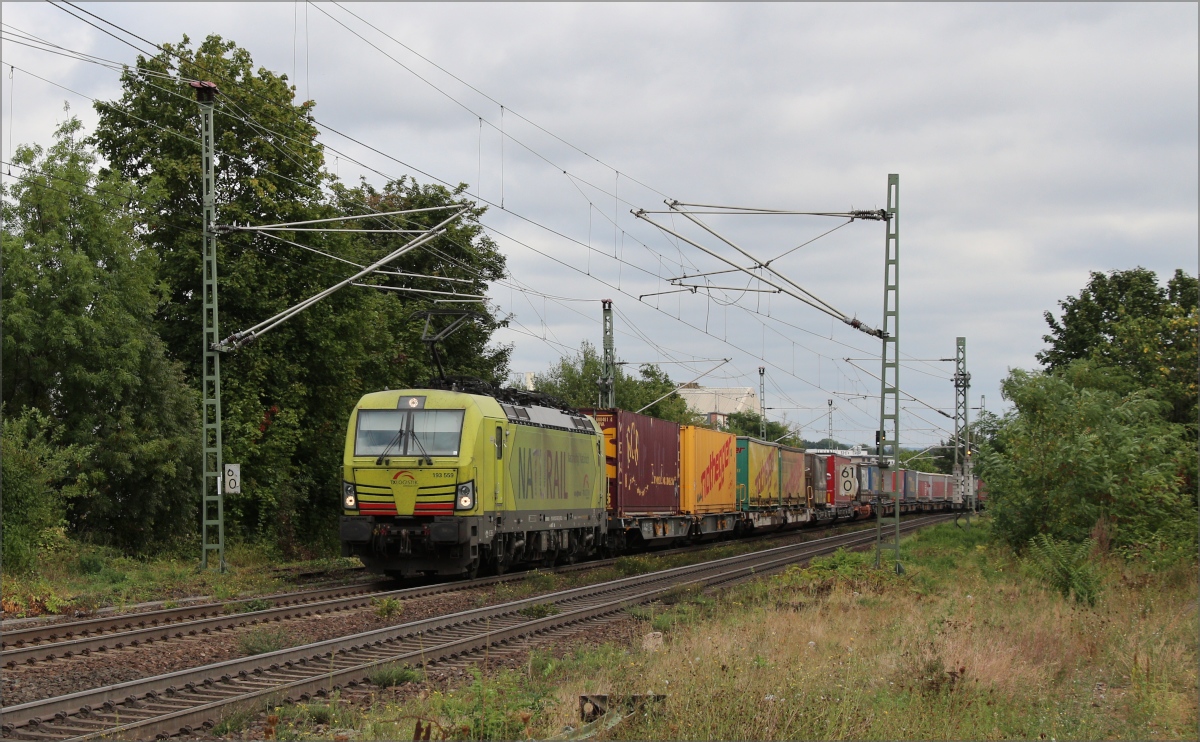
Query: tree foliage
41, 476
79, 294
286, 397
575, 379
1069, 458
749, 422
1138, 334
1103, 442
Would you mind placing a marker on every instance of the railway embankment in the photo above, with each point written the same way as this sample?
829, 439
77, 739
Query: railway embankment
971, 642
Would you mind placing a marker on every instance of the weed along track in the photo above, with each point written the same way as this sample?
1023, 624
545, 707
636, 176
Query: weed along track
70, 640
186, 700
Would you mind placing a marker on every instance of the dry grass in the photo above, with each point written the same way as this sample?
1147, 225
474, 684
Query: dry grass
966, 645
965, 650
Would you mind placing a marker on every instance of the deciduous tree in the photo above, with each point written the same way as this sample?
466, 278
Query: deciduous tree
79, 346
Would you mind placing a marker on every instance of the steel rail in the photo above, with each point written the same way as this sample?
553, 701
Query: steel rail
66, 640
337, 661
56, 632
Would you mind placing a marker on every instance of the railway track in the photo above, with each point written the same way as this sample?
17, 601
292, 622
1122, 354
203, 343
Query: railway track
183, 702
83, 638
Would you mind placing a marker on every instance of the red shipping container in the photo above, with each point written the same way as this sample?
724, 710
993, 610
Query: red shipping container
643, 462
924, 486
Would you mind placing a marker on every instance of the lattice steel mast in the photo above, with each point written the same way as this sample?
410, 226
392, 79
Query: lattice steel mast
962, 435
212, 499
762, 401
889, 377
608, 372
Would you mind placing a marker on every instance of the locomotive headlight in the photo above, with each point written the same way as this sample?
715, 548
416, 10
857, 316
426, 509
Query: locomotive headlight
466, 496
349, 496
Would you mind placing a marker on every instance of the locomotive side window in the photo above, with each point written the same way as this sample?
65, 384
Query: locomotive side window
499, 443
408, 432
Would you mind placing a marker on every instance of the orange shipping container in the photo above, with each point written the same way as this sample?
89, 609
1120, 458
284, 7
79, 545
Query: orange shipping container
707, 470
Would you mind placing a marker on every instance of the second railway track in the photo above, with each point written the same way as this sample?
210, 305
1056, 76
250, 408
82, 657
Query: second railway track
66, 640
184, 701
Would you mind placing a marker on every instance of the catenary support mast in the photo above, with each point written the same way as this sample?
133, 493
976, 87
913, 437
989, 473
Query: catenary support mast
608, 373
762, 402
962, 445
887, 535
212, 512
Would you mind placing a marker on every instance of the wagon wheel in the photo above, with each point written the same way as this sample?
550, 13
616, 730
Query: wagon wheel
472, 570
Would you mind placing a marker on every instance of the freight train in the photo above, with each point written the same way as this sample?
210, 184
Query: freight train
449, 483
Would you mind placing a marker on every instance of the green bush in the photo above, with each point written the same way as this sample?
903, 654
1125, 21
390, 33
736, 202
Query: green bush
629, 566
388, 607
250, 606
1073, 458
90, 564
1066, 567
538, 581
39, 482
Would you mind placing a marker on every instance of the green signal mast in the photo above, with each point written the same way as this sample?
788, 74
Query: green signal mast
963, 475
887, 529
213, 475
212, 512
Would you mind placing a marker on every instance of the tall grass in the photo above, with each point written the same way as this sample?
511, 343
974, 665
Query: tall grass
968, 644
965, 645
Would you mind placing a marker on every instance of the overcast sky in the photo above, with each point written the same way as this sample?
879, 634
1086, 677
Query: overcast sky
1034, 143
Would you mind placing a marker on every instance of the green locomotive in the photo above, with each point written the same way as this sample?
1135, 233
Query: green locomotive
446, 483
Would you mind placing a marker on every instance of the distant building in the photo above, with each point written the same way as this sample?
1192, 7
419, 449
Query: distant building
521, 380
716, 404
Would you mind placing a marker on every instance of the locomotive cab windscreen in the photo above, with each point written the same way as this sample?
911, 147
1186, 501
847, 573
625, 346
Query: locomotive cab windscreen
403, 433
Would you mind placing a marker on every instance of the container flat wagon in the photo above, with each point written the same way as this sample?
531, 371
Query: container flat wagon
444, 483
642, 462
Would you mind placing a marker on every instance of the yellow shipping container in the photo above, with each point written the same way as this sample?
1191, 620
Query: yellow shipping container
757, 473
707, 471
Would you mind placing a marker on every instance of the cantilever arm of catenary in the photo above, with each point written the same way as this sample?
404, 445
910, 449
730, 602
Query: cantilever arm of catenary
804, 297
238, 339
826, 306
287, 225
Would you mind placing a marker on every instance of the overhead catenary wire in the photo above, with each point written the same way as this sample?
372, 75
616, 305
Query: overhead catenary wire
534, 335
566, 298
242, 337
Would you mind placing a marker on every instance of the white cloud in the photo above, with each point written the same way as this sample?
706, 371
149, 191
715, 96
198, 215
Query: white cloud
1035, 143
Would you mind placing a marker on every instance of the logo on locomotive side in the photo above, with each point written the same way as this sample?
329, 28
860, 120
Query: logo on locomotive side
541, 474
